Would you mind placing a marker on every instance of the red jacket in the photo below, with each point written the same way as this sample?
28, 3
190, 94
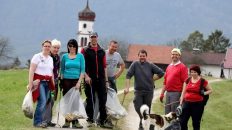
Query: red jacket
35, 93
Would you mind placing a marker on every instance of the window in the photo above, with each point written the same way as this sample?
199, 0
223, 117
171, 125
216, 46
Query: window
84, 25
82, 42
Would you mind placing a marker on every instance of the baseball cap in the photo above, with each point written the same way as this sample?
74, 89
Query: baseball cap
93, 34
176, 50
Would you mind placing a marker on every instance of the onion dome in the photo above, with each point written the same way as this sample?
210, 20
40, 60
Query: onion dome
87, 14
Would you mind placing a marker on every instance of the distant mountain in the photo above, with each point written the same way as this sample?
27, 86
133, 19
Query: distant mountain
27, 22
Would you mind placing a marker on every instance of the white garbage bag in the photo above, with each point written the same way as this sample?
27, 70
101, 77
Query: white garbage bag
114, 109
71, 105
27, 106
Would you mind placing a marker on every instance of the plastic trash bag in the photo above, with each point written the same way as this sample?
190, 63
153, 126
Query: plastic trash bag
27, 106
114, 109
71, 105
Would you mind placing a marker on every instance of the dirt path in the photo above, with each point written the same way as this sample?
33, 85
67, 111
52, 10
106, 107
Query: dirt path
131, 120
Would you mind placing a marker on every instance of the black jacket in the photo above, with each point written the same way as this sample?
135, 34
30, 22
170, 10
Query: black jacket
94, 69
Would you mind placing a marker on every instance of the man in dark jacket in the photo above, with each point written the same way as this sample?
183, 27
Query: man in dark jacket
96, 80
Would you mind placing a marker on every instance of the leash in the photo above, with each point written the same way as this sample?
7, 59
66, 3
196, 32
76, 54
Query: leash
171, 103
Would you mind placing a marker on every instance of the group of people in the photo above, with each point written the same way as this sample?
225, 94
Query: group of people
179, 91
96, 69
93, 66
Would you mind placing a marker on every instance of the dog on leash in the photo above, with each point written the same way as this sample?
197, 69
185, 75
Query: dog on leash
161, 122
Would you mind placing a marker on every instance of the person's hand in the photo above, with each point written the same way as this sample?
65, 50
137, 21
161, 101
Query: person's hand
202, 92
107, 84
78, 85
29, 87
161, 97
88, 80
126, 90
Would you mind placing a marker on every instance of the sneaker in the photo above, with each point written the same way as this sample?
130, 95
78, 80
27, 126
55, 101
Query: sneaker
42, 125
106, 124
76, 125
51, 124
66, 125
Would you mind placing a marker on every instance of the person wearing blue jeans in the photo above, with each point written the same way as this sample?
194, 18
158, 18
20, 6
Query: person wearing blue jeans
41, 69
41, 102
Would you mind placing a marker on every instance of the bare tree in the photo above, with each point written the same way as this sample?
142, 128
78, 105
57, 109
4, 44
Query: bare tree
123, 46
5, 48
175, 43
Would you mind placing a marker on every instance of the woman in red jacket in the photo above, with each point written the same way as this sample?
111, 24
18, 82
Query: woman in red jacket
192, 99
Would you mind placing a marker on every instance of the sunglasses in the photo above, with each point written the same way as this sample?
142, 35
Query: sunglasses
93, 37
71, 46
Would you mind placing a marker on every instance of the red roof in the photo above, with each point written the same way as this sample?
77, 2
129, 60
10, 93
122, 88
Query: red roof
155, 53
228, 58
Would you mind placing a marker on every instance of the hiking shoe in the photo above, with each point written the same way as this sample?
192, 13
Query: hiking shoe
107, 124
66, 125
76, 125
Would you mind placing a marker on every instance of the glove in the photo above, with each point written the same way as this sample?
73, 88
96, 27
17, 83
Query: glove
202, 92
179, 110
161, 97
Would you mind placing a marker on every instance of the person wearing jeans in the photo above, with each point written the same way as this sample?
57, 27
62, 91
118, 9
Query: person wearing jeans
41, 102
41, 68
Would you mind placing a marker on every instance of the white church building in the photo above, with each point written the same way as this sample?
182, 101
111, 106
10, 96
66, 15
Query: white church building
86, 22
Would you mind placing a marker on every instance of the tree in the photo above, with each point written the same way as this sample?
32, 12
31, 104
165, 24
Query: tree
175, 43
16, 62
28, 63
216, 42
123, 46
5, 48
195, 41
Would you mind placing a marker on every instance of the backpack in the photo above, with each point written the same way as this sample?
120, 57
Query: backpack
205, 97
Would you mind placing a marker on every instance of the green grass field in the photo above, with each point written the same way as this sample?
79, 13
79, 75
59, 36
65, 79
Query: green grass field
13, 89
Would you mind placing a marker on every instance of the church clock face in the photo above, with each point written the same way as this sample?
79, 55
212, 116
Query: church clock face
84, 25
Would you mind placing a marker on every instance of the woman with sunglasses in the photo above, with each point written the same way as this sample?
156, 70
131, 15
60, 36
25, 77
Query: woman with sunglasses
41, 69
72, 73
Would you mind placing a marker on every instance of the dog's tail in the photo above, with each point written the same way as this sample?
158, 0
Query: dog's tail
144, 110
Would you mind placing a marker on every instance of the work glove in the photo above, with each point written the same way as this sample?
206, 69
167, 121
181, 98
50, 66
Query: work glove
178, 110
161, 97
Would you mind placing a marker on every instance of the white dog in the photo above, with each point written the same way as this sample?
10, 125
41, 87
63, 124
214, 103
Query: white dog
161, 122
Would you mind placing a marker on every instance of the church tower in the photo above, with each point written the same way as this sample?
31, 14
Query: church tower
86, 21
